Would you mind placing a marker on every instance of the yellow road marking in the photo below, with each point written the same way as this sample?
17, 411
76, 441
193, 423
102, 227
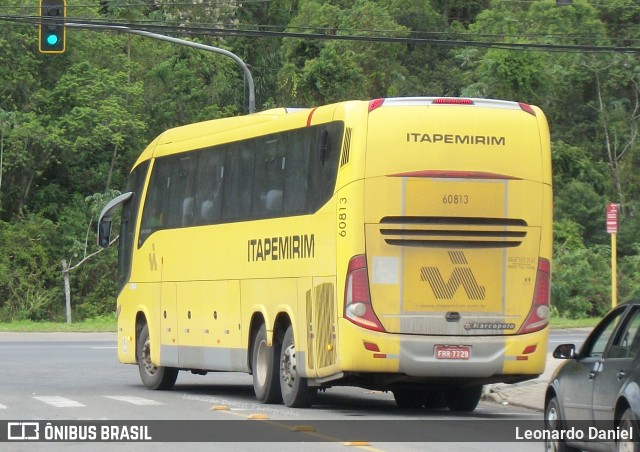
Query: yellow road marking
304, 429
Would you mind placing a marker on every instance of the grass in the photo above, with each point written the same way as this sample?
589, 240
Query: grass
100, 324
560, 322
108, 324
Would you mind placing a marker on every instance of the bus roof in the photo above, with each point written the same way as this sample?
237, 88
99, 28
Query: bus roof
192, 132
203, 134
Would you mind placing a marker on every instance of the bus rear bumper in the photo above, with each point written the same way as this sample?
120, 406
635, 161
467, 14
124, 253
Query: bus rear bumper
488, 358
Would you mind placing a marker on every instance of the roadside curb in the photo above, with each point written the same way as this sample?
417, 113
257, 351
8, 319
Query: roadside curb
529, 396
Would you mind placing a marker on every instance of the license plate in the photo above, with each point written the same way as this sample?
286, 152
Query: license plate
453, 351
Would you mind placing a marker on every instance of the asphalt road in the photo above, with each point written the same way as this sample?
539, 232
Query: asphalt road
74, 378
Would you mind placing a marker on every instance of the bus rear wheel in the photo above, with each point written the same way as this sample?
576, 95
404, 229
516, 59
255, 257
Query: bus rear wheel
463, 398
153, 377
296, 392
264, 365
409, 398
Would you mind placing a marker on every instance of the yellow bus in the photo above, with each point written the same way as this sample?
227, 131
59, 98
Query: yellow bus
401, 244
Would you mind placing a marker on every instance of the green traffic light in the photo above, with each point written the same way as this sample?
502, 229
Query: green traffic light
52, 40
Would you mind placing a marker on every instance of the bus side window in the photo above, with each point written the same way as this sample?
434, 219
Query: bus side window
208, 199
296, 182
323, 169
271, 161
238, 181
184, 188
153, 217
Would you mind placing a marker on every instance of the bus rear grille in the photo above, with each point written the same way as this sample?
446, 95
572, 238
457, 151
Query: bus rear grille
321, 318
325, 343
453, 232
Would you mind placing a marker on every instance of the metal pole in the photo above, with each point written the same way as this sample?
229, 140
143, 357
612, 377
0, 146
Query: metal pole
614, 271
67, 290
148, 34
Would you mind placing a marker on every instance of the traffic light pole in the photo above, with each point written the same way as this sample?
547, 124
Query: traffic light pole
148, 34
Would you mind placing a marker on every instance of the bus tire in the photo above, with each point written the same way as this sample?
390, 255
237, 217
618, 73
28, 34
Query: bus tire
435, 400
264, 366
463, 398
412, 398
153, 377
295, 390
409, 398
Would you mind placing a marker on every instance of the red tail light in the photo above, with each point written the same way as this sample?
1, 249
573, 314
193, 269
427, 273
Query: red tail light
375, 103
538, 317
528, 108
452, 101
357, 300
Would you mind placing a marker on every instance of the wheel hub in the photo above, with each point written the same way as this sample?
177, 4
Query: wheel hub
149, 367
262, 363
288, 366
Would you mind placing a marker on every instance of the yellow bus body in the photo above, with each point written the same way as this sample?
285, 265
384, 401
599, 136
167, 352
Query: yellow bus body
450, 204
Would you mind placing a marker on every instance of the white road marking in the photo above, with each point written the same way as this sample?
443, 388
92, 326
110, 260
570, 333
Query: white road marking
135, 400
59, 402
3, 407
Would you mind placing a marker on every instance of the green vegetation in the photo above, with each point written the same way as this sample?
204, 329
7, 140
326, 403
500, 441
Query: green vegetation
100, 324
558, 322
72, 125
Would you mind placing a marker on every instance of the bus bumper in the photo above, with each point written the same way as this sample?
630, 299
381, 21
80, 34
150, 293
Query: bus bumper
492, 358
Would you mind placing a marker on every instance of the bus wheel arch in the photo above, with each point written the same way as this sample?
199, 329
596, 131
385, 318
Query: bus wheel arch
295, 390
152, 375
141, 321
264, 363
257, 320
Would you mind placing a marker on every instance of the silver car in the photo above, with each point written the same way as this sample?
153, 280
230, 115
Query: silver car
593, 399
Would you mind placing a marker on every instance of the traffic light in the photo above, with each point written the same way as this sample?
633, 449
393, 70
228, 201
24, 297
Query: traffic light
51, 32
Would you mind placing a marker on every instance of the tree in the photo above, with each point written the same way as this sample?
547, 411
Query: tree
317, 72
619, 116
102, 115
29, 279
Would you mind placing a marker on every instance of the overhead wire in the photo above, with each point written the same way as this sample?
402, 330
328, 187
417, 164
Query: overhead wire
442, 39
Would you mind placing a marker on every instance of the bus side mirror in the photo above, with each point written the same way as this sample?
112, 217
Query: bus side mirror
104, 233
104, 220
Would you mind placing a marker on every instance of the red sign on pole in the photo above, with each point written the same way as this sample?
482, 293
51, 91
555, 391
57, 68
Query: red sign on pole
612, 218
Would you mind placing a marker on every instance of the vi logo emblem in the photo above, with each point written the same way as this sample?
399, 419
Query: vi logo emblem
153, 263
461, 276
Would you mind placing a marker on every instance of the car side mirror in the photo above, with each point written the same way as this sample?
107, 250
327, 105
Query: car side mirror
565, 351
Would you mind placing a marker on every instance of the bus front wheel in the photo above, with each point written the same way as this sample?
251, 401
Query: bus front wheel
264, 366
296, 392
153, 377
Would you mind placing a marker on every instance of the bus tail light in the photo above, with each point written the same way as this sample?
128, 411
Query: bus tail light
357, 299
538, 317
375, 103
528, 108
452, 101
